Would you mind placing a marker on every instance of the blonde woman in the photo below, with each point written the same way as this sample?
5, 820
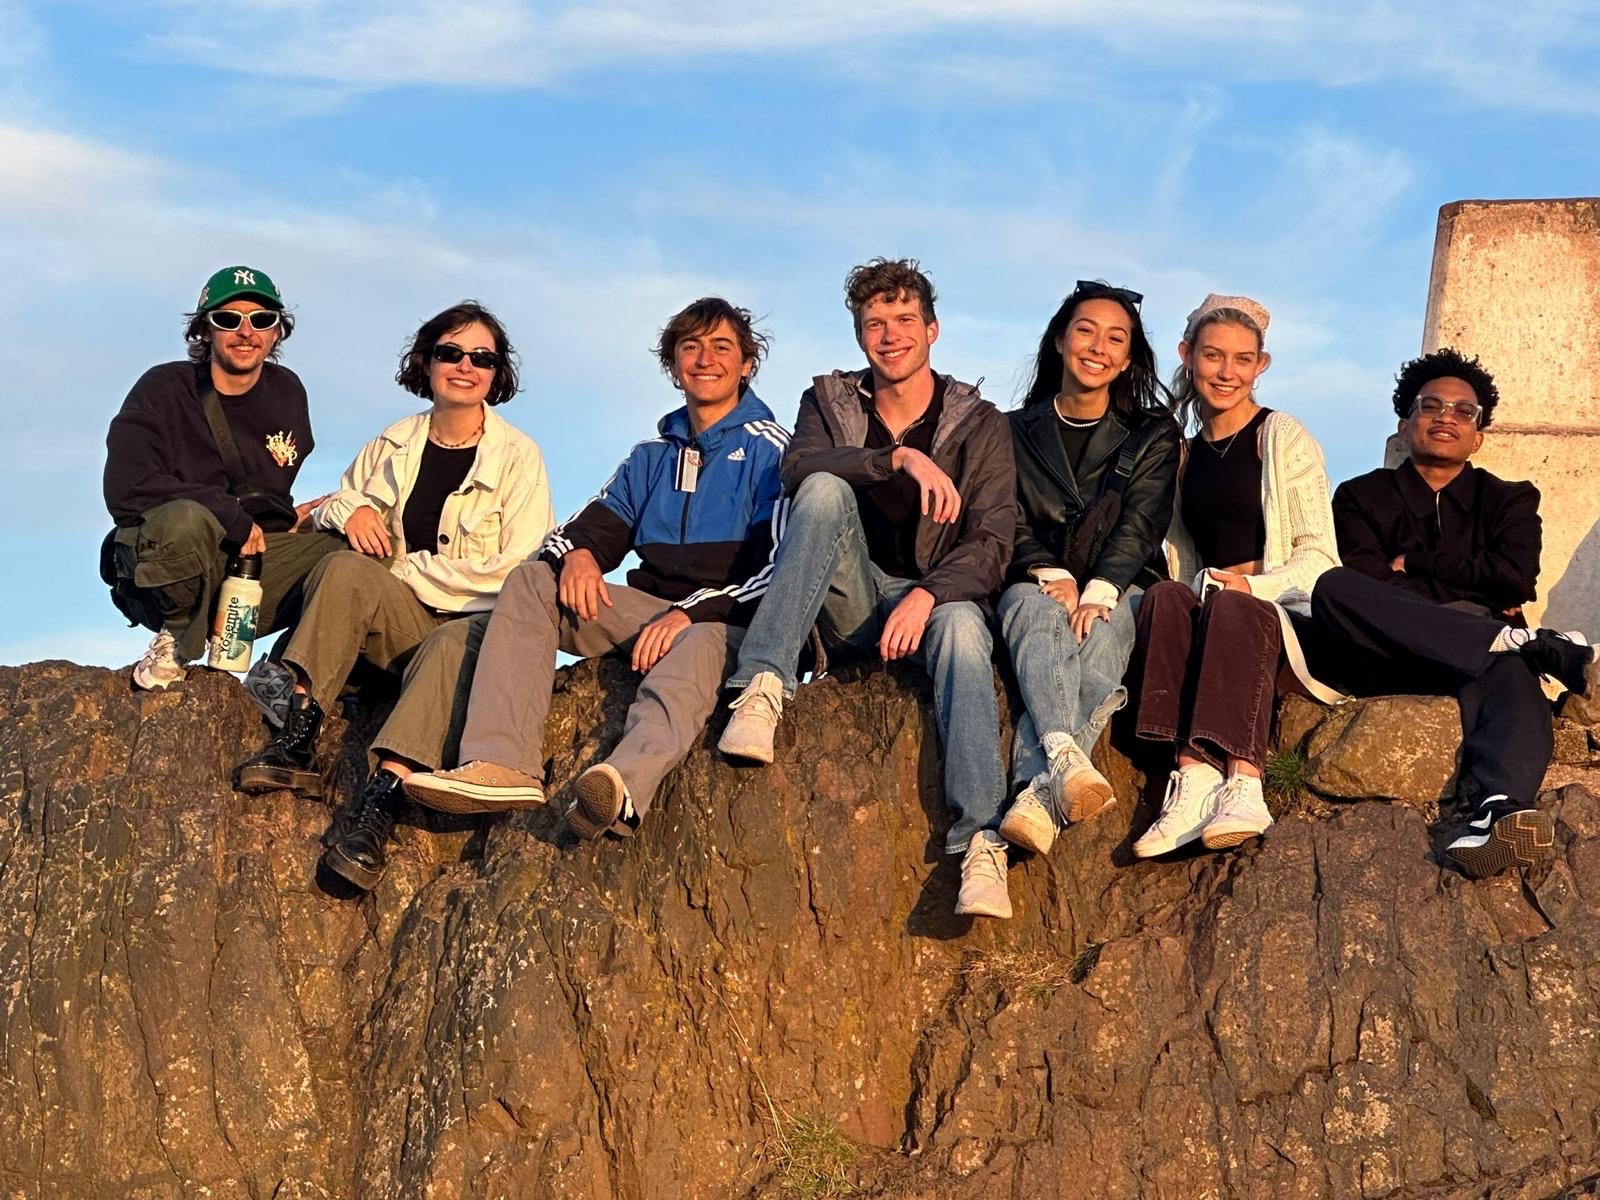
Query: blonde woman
1251, 532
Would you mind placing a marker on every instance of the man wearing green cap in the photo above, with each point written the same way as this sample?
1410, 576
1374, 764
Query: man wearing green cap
183, 502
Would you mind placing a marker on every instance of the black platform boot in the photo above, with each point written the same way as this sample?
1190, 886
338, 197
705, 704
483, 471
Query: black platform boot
288, 762
358, 854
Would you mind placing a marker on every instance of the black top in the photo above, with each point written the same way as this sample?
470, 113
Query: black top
1221, 497
440, 474
159, 447
1477, 539
1075, 440
890, 510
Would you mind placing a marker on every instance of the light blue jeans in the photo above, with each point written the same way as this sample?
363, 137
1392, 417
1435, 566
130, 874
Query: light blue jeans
823, 575
1066, 687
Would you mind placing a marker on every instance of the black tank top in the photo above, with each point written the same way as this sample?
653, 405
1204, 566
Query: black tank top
1222, 497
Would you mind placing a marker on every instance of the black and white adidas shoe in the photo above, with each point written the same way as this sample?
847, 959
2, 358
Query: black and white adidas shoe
1504, 834
1564, 657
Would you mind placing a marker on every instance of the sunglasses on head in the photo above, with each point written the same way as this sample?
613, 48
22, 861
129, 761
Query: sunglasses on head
450, 354
229, 319
1126, 295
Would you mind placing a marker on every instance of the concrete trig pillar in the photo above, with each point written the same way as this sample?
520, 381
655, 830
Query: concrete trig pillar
1517, 283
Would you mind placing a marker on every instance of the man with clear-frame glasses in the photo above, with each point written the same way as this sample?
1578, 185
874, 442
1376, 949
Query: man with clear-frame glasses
1439, 558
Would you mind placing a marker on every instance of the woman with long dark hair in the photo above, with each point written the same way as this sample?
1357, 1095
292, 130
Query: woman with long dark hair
1252, 531
437, 510
1097, 455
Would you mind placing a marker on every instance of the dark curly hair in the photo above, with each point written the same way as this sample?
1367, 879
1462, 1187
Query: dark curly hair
702, 317
1138, 389
413, 372
198, 334
1441, 364
888, 279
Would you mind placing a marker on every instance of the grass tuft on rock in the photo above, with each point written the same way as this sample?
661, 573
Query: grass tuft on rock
1033, 974
1284, 775
1083, 962
812, 1155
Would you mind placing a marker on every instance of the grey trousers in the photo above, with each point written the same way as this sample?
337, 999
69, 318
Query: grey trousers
355, 608
174, 556
516, 670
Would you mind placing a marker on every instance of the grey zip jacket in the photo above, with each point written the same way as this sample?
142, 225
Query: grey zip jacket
964, 560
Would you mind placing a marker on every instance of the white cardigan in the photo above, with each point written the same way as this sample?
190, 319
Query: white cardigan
1300, 538
493, 521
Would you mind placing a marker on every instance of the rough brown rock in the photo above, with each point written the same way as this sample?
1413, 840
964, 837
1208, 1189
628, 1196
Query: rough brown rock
1387, 747
188, 1012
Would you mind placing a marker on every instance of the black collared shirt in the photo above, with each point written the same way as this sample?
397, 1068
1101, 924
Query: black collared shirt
1477, 539
891, 510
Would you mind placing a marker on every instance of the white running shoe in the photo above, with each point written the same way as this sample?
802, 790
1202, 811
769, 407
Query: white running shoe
159, 669
983, 878
754, 722
1079, 791
1190, 802
1241, 814
269, 685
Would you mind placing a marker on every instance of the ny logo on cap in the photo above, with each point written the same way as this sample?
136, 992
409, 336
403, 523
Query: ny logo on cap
247, 278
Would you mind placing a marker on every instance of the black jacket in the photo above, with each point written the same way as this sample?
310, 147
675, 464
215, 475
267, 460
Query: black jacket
1476, 540
960, 561
1051, 502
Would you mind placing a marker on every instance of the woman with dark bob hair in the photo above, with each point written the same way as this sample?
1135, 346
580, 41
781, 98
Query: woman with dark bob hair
1097, 455
438, 508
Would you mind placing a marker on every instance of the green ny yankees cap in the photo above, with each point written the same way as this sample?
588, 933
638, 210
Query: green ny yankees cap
239, 283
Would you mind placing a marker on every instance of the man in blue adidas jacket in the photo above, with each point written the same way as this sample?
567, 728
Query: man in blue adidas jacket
702, 505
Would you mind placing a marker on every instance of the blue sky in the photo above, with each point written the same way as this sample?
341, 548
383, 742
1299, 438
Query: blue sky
586, 169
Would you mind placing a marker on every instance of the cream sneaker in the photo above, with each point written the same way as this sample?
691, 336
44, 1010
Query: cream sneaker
983, 878
1079, 791
755, 719
1030, 822
1189, 803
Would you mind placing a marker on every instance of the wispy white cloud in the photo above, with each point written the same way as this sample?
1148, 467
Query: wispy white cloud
1531, 57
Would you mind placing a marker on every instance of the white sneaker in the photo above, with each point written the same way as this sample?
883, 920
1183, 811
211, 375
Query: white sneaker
983, 878
755, 719
1030, 822
269, 685
1241, 814
159, 669
1189, 803
1078, 790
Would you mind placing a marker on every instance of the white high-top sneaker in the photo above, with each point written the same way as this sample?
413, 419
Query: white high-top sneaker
1241, 814
1189, 803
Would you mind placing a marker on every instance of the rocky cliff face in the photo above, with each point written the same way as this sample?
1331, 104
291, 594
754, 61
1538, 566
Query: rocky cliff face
764, 993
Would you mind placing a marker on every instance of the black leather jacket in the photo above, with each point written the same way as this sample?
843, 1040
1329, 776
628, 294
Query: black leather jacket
1051, 502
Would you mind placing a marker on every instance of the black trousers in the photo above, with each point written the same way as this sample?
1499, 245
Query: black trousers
1370, 639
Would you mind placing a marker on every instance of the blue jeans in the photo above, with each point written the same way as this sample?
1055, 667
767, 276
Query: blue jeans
1066, 687
823, 575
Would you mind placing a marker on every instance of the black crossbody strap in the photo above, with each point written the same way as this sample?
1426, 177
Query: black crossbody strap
232, 464
1123, 471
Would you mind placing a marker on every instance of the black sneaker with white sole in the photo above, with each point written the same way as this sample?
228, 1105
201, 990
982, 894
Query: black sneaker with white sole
1501, 835
1559, 656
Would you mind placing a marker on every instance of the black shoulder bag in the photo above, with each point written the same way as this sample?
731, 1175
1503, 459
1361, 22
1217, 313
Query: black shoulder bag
274, 513
1097, 522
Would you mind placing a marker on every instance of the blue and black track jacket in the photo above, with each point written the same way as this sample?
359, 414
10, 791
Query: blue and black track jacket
709, 551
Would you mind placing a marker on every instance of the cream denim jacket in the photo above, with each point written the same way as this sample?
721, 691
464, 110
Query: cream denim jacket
494, 520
